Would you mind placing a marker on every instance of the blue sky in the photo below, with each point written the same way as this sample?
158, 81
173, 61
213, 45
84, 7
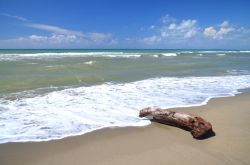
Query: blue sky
184, 24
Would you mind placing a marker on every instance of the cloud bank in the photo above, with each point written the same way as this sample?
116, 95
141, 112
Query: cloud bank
223, 30
57, 37
187, 33
168, 32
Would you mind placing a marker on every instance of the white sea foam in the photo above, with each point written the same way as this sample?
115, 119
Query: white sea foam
221, 54
11, 57
218, 51
54, 66
186, 52
155, 55
169, 54
127, 55
69, 54
161, 55
238, 72
245, 51
32, 63
90, 62
79, 110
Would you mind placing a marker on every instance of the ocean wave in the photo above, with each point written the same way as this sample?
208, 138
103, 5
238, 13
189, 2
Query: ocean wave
89, 62
169, 54
221, 54
245, 51
155, 55
55, 66
80, 110
238, 72
219, 51
224, 51
69, 54
159, 55
13, 57
136, 54
64, 54
186, 52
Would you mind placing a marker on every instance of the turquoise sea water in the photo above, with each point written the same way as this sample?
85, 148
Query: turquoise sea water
50, 94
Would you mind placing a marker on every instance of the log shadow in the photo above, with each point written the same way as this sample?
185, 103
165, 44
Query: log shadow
206, 136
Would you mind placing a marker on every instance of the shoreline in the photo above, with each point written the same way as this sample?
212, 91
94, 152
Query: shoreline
155, 143
205, 102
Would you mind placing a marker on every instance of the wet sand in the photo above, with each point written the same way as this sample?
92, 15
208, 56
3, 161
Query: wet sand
153, 144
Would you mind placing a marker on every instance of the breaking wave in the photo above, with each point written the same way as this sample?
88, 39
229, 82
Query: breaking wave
75, 111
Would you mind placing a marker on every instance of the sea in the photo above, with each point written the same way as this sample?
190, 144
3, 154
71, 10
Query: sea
52, 94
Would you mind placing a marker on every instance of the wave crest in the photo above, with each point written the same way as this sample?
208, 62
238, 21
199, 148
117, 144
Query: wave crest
79, 110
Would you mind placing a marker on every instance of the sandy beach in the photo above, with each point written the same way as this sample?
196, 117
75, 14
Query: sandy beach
153, 144
91, 82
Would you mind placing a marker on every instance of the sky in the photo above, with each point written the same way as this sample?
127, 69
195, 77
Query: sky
158, 24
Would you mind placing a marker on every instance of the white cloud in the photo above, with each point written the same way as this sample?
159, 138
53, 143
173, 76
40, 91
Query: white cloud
210, 32
37, 38
60, 41
15, 17
60, 37
62, 34
63, 39
185, 29
223, 29
52, 39
166, 19
54, 29
99, 37
167, 33
186, 33
171, 30
152, 39
172, 26
224, 24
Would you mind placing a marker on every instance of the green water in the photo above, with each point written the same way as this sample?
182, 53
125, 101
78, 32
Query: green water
51, 94
19, 72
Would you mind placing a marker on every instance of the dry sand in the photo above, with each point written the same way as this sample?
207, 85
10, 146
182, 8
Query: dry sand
155, 144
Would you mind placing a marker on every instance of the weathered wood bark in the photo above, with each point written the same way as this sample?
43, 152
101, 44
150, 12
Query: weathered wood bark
198, 126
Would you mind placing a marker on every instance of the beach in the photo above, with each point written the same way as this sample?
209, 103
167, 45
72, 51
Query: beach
53, 94
124, 82
153, 144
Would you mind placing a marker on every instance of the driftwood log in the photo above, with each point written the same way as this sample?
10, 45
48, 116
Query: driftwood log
198, 126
